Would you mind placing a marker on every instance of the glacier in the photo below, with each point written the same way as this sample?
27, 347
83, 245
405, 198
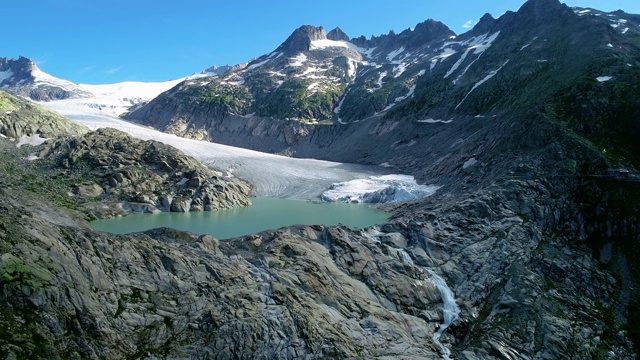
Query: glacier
391, 188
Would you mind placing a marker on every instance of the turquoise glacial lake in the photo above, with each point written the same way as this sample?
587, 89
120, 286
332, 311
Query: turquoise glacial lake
264, 214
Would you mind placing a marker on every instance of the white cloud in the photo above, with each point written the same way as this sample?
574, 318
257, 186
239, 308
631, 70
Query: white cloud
468, 24
113, 70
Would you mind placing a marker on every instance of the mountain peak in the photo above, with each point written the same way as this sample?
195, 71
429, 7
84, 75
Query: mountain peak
301, 38
485, 23
429, 30
542, 8
21, 69
22, 77
337, 35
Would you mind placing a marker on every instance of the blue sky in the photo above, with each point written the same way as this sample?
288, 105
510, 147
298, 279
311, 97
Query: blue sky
142, 40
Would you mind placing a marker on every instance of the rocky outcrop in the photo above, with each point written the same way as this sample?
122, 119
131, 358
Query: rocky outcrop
131, 175
301, 38
18, 118
337, 35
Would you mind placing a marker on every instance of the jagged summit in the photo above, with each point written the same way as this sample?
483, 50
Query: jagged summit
426, 32
216, 70
22, 69
543, 10
337, 35
301, 38
485, 24
22, 77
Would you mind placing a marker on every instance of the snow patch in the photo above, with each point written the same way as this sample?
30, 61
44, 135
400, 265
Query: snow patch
482, 43
353, 68
299, 60
32, 156
527, 45
182, 181
446, 52
392, 55
604, 78
378, 189
4, 75
326, 43
313, 86
33, 140
610, 45
404, 256
381, 76
253, 66
624, 31
398, 70
434, 121
399, 99
489, 76
478, 45
368, 52
234, 83
469, 163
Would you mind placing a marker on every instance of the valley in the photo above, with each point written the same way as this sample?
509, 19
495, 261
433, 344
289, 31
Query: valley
506, 159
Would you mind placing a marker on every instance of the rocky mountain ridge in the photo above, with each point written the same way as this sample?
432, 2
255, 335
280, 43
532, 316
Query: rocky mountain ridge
546, 56
22, 77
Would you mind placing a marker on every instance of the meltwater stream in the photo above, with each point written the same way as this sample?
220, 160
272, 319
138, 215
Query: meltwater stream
450, 308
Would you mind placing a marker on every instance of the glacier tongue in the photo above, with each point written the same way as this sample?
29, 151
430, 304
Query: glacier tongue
378, 189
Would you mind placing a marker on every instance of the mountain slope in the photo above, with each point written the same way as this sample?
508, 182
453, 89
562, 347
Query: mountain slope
304, 79
19, 118
22, 77
544, 57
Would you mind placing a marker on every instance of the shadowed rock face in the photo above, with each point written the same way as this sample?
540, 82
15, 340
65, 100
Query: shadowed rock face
337, 35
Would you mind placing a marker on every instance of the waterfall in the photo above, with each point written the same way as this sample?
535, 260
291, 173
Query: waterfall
405, 257
450, 309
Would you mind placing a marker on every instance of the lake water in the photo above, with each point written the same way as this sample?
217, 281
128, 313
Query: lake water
264, 214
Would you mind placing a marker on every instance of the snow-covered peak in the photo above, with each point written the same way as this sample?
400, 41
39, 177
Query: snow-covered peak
22, 77
41, 77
